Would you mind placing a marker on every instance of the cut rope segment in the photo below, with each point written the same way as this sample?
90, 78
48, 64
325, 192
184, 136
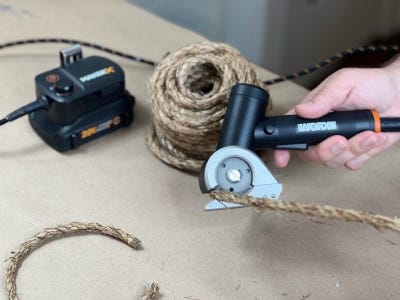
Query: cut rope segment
73, 228
311, 210
188, 92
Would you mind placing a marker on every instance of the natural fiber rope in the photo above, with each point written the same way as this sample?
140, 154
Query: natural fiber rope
188, 92
312, 210
51, 233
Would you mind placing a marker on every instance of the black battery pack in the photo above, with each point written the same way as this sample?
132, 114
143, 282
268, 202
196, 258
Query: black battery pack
87, 99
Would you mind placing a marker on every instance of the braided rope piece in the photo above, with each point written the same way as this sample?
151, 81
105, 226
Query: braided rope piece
51, 233
312, 210
188, 92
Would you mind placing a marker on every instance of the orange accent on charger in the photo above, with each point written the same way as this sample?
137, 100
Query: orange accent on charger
377, 120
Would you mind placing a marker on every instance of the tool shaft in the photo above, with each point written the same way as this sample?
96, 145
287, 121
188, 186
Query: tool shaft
245, 124
294, 132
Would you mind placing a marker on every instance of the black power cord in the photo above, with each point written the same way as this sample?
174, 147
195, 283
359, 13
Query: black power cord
294, 75
38, 104
82, 43
42, 103
332, 59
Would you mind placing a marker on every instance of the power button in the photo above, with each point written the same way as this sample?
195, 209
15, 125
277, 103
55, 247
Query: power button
269, 129
64, 87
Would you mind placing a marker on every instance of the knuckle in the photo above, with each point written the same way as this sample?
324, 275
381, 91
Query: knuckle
345, 73
357, 162
323, 154
331, 164
353, 165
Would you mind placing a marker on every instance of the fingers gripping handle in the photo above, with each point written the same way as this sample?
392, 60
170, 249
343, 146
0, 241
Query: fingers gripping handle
246, 126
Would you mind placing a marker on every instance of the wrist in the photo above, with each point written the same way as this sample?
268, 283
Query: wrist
393, 68
394, 65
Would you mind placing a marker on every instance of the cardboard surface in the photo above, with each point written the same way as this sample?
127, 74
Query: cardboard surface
238, 254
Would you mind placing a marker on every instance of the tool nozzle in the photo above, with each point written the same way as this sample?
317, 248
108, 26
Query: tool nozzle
246, 107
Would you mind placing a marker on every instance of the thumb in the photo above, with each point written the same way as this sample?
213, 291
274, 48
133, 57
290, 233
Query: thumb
329, 95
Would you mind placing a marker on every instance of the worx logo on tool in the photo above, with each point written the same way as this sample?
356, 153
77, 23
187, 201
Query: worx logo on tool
316, 126
97, 74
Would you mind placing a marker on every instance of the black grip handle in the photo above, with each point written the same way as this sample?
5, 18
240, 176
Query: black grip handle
294, 132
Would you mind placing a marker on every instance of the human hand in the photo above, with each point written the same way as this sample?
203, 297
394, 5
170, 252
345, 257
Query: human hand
350, 89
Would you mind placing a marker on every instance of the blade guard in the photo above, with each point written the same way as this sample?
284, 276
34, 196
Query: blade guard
262, 182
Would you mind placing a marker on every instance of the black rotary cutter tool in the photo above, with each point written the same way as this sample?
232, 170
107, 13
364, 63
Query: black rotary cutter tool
237, 168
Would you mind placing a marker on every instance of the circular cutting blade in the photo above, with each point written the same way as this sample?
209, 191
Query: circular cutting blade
234, 175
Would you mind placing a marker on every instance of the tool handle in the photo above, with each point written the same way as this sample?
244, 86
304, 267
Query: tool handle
296, 133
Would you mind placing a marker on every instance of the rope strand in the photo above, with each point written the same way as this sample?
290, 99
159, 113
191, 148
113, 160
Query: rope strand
62, 230
312, 210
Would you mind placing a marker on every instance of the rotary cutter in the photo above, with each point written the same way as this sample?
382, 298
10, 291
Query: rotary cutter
237, 168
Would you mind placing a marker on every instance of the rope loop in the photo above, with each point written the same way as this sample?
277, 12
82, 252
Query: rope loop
188, 92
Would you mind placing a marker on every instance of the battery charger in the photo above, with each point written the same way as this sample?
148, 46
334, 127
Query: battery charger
83, 99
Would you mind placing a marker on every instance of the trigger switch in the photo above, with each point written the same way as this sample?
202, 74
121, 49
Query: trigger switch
64, 87
269, 129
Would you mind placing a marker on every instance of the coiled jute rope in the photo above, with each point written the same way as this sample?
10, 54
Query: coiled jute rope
188, 92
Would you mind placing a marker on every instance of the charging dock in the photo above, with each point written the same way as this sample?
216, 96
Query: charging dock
87, 99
